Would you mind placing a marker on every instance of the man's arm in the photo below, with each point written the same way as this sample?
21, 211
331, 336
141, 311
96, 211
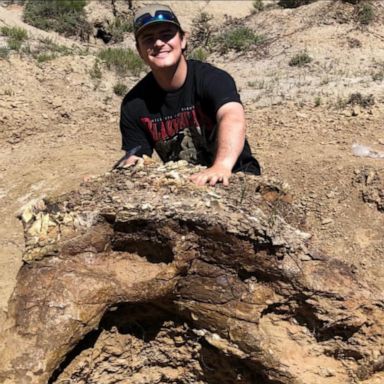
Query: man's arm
230, 142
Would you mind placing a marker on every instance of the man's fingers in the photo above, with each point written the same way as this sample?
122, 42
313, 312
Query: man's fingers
199, 179
132, 160
225, 181
203, 178
213, 180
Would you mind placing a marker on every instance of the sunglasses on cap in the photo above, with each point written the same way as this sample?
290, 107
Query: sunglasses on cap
159, 16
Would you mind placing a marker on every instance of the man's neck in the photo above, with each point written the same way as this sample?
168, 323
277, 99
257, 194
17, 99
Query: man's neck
171, 79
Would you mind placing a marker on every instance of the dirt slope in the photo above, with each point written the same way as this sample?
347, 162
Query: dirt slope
59, 125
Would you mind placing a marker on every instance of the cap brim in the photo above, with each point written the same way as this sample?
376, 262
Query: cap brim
141, 29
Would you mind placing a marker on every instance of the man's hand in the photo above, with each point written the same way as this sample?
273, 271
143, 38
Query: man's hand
130, 161
212, 175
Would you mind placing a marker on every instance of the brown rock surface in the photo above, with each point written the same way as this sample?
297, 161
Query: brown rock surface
183, 274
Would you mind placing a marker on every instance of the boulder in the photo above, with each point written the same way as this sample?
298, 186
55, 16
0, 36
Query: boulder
141, 276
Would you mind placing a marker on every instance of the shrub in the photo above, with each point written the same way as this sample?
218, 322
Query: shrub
358, 99
47, 49
50, 45
119, 27
199, 54
95, 72
4, 52
120, 89
14, 33
258, 5
45, 56
365, 14
16, 37
14, 45
201, 32
300, 59
238, 39
63, 16
18, 2
123, 61
341, 103
294, 3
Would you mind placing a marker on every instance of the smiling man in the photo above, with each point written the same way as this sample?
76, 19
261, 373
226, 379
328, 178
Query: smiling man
183, 109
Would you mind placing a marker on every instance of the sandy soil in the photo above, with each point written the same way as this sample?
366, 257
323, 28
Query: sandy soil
58, 125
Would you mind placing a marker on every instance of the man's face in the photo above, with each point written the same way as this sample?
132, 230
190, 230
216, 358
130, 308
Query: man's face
160, 45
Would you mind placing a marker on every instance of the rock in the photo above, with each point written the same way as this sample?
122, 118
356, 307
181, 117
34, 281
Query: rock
261, 302
371, 186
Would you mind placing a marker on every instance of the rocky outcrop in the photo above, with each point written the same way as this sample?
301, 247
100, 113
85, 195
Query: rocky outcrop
140, 275
371, 186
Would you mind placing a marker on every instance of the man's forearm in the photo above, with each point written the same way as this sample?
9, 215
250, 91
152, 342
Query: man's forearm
230, 138
230, 143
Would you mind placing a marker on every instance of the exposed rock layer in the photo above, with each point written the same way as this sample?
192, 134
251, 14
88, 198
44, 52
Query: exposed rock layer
222, 263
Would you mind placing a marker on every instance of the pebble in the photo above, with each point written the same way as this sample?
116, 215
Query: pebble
326, 221
147, 207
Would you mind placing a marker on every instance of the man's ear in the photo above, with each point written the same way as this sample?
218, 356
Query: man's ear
184, 41
138, 50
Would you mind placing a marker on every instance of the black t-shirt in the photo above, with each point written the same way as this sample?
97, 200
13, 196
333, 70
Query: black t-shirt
181, 124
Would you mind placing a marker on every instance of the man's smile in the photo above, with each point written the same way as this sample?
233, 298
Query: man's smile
161, 54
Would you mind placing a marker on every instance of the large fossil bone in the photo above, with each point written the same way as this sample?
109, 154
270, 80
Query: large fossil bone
225, 258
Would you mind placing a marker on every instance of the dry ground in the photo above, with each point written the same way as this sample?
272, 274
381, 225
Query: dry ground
57, 124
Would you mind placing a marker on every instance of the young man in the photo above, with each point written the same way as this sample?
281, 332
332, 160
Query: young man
183, 109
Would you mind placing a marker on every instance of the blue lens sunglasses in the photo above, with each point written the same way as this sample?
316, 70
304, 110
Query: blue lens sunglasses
147, 18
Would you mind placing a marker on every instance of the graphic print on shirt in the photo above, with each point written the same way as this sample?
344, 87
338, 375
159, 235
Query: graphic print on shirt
181, 136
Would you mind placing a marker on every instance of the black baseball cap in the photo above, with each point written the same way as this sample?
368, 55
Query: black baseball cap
151, 14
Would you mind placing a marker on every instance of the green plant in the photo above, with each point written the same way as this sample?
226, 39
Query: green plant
120, 89
118, 27
95, 72
63, 16
300, 59
9, 2
14, 45
294, 3
318, 101
201, 32
365, 14
16, 37
49, 45
238, 39
341, 103
45, 56
123, 61
358, 99
15, 33
258, 5
199, 54
46, 49
4, 52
